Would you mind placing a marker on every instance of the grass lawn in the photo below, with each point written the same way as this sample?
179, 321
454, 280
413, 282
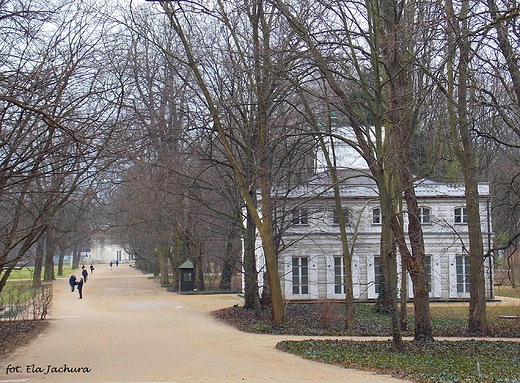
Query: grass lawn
507, 291
27, 272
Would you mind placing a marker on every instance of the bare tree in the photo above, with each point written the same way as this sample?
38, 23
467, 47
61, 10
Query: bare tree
57, 124
255, 58
459, 60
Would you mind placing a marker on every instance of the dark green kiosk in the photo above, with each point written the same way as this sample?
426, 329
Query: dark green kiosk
187, 282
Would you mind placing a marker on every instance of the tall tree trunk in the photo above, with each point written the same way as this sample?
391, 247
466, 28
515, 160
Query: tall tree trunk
226, 275
175, 274
404, 298
61, 259
397, 55
38, 263
251, 288
458, 40
76, 253
199, 270
389, 257
262, 68
232, 254
50, 250
162, 256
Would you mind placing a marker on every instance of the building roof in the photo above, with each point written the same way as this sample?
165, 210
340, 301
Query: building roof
186, 265
358, 183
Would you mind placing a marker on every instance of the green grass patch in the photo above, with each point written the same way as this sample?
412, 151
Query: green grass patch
28, 272
16, 293
507, 291
446, 361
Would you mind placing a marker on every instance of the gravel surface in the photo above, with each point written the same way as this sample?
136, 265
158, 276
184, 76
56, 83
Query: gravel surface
129, 329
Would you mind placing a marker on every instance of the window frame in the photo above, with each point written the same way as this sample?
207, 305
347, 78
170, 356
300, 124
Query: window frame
339, 275
300, 275
461, 217
300, 217
378, 275
377, 218
422, 215
462, 271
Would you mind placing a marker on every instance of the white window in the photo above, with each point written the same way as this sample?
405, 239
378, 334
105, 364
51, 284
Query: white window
300, 275
376, 216
345, 215
459, 215
462, 269
424, 215
339, 275
300, 217
118, 255
377, 273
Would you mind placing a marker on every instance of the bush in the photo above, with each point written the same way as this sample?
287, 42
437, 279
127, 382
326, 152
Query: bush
24, 302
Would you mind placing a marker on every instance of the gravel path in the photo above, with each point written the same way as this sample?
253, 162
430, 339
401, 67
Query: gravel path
128, 329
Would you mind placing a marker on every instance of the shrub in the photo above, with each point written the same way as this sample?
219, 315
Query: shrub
24, 302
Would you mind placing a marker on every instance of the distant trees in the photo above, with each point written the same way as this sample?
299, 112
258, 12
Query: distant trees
58, 120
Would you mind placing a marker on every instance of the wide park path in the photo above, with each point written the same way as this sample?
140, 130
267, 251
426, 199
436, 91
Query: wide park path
129, 329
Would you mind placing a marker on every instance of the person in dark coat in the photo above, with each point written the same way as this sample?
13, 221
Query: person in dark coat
91, 268
85, 275
80, 288
72, 282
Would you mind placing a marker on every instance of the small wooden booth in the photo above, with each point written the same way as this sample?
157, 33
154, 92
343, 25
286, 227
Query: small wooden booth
187, 280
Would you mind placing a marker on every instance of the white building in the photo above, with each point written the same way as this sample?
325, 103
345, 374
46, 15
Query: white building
310, 262
104, 251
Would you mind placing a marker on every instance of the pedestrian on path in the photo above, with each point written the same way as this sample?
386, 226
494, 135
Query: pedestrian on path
72, 282
85, 275
80, 288
91, 268
117, 262
111, 265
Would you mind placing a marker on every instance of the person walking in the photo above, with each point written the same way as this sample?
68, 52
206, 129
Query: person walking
91, 268
72, 282
117, 262
80, 289
111, 265
85, 275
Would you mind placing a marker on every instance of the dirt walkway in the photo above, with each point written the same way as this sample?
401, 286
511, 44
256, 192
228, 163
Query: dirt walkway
128, 329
